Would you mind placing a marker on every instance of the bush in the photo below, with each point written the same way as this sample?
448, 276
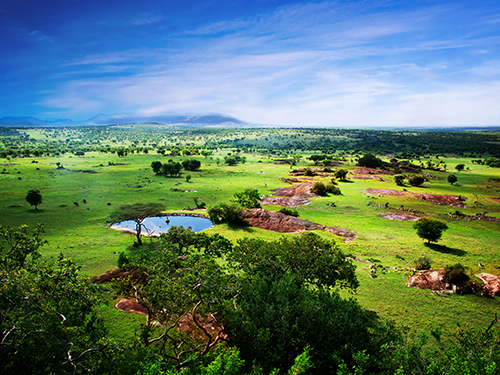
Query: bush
319, 188
416, 180
452, 179
332, 189
430, 228
227, 213
289, 211
399, 179
455, 274
423, 263
309, 172
370, 161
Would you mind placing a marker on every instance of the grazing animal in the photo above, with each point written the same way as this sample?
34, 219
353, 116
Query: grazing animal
76, 203
85, 201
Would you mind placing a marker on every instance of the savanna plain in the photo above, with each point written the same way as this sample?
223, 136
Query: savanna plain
84, 176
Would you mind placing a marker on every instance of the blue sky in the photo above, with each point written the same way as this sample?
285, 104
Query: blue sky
328, 63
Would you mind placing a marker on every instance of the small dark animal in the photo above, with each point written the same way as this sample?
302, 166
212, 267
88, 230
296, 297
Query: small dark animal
109, 204
76, 203
85, 201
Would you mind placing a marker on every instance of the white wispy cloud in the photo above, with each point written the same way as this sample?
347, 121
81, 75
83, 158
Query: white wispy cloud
303, 64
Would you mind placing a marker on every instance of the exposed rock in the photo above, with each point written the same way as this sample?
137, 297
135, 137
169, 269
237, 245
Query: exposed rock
279, 222
491, 282
427, 279
293, 196
131, 306
111, 275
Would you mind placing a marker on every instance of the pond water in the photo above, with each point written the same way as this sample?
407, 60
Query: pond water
161, 224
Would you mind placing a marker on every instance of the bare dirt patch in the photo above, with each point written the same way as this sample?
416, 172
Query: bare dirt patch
496, 199
450, 200
292, 196
427, 279
491, 282
371, 171
392, 192
400, 216
131, 306
278, 222
117, 273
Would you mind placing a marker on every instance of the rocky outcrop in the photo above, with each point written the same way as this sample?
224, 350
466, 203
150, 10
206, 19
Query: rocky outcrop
491, 282
278, 222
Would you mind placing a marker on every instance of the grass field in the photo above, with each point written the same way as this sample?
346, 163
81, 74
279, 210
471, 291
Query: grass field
105, 181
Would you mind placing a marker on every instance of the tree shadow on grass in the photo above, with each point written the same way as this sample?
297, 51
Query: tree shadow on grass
445, 249
244, 228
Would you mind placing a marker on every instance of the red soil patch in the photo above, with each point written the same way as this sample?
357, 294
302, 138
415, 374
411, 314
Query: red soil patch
131, 306
278, 222
399, 216
396, 193
111, 275
371, 171
491, 282
451, 200
427, 279
293, 196
496, 199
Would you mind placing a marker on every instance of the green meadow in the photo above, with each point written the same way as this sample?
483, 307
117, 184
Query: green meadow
105, 181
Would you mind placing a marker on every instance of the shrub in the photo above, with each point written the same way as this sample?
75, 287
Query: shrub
452, 179
332, 189
460, 167
319, 188
423, 263
416, 180
227, 213
399, 179
455, 274
289, 212
371, 161
309, 172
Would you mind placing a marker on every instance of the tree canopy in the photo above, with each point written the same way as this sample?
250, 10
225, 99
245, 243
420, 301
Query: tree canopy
136, 212
429, 228
34, 197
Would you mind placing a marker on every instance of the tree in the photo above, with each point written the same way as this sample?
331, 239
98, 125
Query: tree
34, 198
460, 167
249, 198
137, 212
227, 213
156, 165
416, 180
46, 311
370, 161
452, 179
191, 165
399, 179
429, 228
341, 174
173, 169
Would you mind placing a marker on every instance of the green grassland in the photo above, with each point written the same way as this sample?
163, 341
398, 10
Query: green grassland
106, 181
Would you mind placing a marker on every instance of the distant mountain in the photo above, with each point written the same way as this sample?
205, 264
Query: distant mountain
208, 119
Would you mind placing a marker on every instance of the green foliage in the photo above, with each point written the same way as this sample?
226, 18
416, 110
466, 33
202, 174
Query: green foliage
369, 160
289, 211
156, 166
423, 263
198, 203
46, 319
452, 179
319, 188
455, 274
332, 189
34, 198
307, 257
492, 162
191, 165
460, 167
249, 198
230, 213
16, 245
399, 179
172, 169
309, 172
341, 174
429, 228
137, 212
416, 180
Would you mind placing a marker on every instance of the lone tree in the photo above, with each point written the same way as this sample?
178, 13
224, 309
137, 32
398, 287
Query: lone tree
341, 174
34, 198
370, 161
137, 212
429, 228
399, 179
416, 180
249, 198
460, 167
452, 179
